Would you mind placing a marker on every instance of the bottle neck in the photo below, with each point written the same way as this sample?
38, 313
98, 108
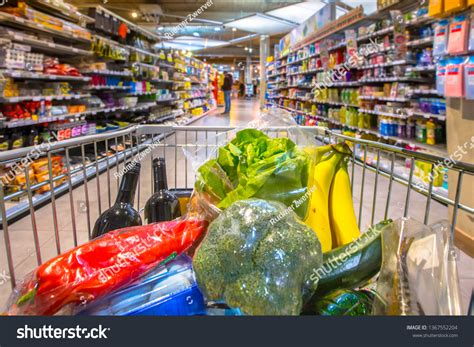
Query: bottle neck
161, 183
127, 189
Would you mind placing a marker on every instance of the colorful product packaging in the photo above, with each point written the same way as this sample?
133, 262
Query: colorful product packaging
458, 35
454, 85
440, 38
454, 5
469, 78
435, 8
471, 33
441, 76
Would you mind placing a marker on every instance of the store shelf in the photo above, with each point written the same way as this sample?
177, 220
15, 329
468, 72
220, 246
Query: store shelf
428, 115
67, 14
386, 114
390, 64
429, 68
109, 88
22, 23
426, 41
45, 46
18, 74
107, 73
394, 79
16, 99
383, 98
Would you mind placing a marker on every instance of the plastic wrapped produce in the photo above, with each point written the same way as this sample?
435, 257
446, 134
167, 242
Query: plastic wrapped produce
258, 257
103, 265
418, 274
168, 290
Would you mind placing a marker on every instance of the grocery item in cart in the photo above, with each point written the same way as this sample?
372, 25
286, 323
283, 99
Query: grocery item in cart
419, 274
103, 265
121, 214
344, 302
168, 290
258, 257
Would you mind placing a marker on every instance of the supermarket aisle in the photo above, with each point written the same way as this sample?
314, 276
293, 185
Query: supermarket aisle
181, 172
242, 112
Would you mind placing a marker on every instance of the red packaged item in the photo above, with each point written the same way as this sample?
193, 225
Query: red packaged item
103, 265
458, 35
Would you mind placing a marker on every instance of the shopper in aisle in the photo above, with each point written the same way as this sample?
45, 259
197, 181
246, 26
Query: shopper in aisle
227, 89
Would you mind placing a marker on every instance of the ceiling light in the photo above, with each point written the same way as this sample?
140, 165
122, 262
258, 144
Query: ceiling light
234, 29
233, 68
246, 48
250, 50
196, 34
217, 29
134, 14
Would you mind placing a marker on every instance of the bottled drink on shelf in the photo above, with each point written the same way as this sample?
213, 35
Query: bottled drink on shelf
121, 214
163, 205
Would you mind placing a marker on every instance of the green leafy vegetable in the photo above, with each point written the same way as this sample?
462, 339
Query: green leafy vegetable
254, 165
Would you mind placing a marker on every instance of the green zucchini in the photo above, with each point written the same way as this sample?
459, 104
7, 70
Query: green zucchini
351, 265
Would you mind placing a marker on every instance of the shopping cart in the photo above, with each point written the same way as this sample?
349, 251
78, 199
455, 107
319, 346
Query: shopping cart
91, 174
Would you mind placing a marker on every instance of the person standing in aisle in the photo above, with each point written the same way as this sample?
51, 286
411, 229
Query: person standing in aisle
227, 89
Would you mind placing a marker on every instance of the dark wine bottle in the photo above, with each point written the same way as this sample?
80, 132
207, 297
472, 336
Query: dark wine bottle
121, 214
163, 205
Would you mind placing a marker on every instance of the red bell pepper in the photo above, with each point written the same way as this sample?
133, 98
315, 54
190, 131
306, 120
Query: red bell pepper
103, 265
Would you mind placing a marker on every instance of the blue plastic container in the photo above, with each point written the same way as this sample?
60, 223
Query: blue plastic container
168, 290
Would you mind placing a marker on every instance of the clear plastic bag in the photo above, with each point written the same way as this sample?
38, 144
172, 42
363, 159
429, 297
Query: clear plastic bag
101, 266
258, 257
249, 163
418, 274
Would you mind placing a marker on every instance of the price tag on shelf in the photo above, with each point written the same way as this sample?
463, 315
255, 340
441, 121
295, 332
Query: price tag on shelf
51, 44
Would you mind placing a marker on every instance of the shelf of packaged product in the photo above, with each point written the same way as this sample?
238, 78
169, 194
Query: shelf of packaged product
428, 68
165, 65
197, 106
15, 99
28, 122
19, 74
25, 75
436, 149
167, 100
307, 72
43, 120
386, 114
157, 80
389, 64
425, 41
45, 46
109, 88
149, 66
425, 92
68, 13
395, 79
107, 73
22, 23
427, 115
383, 98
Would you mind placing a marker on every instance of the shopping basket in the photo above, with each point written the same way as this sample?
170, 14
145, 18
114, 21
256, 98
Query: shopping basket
63, 207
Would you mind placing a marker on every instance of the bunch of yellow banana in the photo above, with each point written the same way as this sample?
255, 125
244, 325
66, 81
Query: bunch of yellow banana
331, 210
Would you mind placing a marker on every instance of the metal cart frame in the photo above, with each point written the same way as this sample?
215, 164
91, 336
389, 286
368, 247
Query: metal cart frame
171, 140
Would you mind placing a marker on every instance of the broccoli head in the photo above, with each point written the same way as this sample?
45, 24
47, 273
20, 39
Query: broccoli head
258, 257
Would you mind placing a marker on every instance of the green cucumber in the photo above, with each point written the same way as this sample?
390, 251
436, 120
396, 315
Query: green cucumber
351, 265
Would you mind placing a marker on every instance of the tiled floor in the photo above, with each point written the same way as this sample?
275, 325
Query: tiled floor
180, 174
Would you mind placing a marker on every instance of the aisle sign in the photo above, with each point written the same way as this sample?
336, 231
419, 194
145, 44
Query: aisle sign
399, 36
